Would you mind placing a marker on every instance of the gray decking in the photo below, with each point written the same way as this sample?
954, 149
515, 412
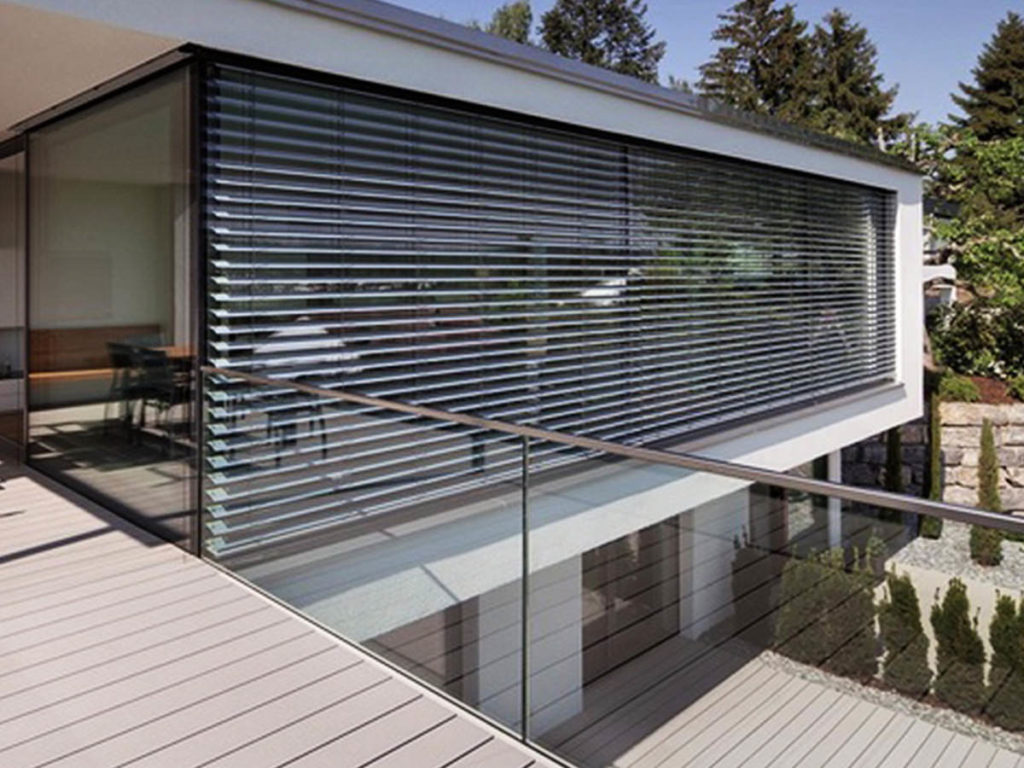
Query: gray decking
117, 649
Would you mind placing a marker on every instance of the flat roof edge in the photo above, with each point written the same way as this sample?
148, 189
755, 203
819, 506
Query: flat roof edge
418, 27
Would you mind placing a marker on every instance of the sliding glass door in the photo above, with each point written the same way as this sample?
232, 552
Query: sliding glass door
111, 305
12, 296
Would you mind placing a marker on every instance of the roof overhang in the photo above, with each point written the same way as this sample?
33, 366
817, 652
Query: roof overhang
53, 50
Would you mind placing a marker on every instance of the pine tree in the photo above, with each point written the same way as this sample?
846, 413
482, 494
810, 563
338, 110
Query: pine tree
1006, 675
512, 21
960, 654
764, 63
848, 99
905, 666
607, 33
994, 104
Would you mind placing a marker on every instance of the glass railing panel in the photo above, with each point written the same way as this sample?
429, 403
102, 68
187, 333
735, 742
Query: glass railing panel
614, 605
674, 614
401, 533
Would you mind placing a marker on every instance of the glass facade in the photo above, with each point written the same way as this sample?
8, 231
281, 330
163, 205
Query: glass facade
12, 297
587, 284
111, 305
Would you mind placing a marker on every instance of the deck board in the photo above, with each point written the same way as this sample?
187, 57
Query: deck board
117, 649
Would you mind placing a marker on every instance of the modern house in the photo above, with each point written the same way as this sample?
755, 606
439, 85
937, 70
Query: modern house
217, 212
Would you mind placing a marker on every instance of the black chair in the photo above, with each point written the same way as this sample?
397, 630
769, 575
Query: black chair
123, 383
160, 386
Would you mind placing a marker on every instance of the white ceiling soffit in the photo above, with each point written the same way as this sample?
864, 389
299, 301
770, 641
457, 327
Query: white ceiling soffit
46, 58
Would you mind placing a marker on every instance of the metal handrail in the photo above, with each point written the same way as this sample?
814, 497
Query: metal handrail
887, 499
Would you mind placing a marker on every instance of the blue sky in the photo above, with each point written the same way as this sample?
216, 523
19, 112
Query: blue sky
925, 46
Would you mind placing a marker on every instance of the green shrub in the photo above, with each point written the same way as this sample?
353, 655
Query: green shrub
827, 615
958, 389
1006, 675
959, 681
893, 461
983, 338
988, 471
905, 665
1016, 387
987, 543
931, 527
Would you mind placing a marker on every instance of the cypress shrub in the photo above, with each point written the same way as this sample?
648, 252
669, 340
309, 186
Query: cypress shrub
988, 471
905, 665
894, 461
959, 679
801, 604
931, 527
827, 615
1006, 675
987, 543
849, 624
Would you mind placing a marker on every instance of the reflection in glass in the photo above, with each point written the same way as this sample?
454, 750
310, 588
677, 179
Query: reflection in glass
111, 341
12, 296
397, 532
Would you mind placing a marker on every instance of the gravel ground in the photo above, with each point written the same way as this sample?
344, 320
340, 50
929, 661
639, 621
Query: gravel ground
945, 718
951, 554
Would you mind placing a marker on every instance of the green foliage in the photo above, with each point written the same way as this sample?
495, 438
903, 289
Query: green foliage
959, 389
979, 339
986, 545
905, 665
826, 615
893, 461
1006, 675
512, 21
607, 33
1015, 387
988, 470
931, 527
994, 103
764, 63
960, 653
848, 100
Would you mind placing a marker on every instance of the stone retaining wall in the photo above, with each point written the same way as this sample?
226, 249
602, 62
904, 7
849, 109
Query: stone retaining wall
864, 463
961, 439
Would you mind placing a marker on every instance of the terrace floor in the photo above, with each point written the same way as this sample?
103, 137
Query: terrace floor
117, 649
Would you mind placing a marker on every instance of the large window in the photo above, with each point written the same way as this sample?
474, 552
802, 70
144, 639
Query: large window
588, 285
110, 320
591, 286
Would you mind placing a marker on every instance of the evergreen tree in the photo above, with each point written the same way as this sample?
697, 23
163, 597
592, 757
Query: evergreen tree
959, 680
931, 527
894, 461
680, 84
905, 666
988, 470
1006, 675
848, 100
512, 21
764, 63
994, 104
607, 33
826, 615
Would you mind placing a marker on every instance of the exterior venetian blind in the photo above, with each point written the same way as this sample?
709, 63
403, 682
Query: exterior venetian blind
588, 285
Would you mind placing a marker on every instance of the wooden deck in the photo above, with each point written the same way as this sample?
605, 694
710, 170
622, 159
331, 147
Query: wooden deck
117, 649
